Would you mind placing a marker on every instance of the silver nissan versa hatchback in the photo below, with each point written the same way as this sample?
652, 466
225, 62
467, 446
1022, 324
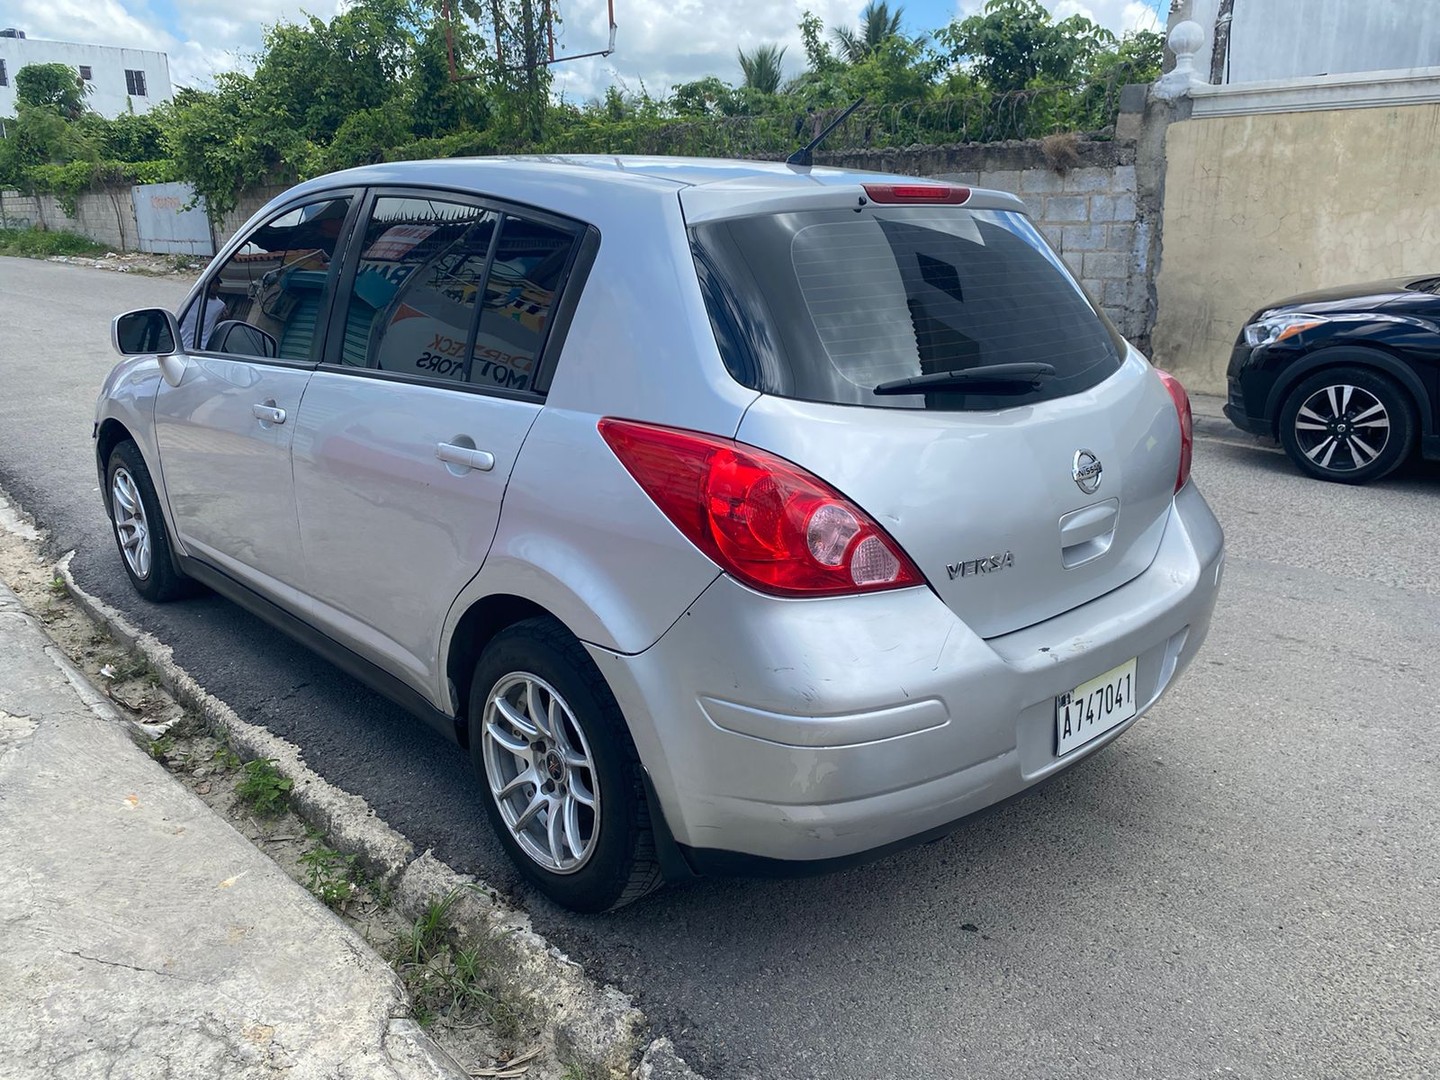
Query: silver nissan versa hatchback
736, 517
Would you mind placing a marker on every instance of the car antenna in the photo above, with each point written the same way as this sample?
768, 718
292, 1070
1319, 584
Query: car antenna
804, 157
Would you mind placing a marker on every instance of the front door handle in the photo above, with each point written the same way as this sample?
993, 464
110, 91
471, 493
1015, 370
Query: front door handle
268, 413
465, 456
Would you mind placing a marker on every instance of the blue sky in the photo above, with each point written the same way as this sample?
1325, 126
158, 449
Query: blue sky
659, 43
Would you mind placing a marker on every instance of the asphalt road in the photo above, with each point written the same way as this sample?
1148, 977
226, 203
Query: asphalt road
1247, 884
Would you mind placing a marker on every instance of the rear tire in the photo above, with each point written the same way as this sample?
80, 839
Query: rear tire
1349, 425
564, 788
139, 527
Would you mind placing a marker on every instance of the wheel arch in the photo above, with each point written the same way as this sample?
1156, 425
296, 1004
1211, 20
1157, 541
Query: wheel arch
476, 628
1377, 360
110, 434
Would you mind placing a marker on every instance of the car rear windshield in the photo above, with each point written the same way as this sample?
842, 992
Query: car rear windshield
826, 305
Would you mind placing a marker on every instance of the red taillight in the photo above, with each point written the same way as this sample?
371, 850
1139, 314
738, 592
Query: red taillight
917, 193
763, 520
1187, 426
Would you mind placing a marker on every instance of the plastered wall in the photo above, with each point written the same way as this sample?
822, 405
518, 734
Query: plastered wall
1260, 207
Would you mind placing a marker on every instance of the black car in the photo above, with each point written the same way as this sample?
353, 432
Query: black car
1348, 379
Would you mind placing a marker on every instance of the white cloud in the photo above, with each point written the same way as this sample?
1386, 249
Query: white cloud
1117, 16
663, 43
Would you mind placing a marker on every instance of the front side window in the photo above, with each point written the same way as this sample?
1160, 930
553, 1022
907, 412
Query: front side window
135, 82
831, 304
455, 292
266, 299
86, 73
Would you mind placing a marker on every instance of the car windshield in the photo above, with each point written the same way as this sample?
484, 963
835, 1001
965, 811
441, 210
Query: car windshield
827, 305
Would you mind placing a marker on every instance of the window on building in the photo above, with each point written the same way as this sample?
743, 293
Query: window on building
135, 83
4, 78
86, 73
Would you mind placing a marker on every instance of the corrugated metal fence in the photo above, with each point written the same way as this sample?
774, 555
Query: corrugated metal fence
165, 222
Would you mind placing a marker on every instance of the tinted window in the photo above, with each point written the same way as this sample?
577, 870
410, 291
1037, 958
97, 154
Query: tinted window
454, 292
417, 286
833, 303
274, 283
520, 293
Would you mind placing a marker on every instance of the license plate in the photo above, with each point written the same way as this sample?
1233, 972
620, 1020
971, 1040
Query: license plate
1094, 707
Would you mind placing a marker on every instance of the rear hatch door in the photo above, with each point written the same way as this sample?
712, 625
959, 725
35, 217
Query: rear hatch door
1017, 501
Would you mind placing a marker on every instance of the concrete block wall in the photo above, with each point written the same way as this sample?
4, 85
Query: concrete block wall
1092, 211
1089, 214
246, 203
107, 216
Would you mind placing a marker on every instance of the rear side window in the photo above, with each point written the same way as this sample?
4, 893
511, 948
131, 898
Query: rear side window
454, 292
830, 304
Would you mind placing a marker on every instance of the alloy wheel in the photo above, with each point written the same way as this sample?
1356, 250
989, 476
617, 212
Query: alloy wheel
541, 772
1342, 428
131, 524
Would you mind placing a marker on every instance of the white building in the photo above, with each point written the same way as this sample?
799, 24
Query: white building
1264, 40
119, 80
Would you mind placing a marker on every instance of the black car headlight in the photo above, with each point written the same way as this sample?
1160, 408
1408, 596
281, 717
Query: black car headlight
1272, 328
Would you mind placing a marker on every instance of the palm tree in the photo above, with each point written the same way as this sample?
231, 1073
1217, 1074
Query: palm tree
762, 67
877, 23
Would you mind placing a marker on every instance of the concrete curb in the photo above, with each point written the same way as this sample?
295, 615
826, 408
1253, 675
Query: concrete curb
592, 1023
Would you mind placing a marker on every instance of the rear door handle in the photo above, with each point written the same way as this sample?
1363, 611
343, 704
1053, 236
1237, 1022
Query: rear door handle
466, 456
269, 413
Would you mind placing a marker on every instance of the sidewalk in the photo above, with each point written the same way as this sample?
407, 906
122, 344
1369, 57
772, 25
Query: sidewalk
142, 935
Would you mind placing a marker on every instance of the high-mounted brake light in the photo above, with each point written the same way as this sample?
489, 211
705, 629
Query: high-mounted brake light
1187, 426
760, 518
918, 193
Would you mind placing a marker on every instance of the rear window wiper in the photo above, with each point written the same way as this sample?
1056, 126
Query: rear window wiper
990, 379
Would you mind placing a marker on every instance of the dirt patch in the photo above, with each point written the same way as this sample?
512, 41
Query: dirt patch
139, 262
460, 981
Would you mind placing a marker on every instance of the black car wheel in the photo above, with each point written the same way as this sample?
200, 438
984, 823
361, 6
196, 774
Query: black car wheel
1347, 424
565, 789
140, 527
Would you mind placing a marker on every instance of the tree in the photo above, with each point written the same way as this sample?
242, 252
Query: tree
877, 23
56, 86
762, 67
1014, 44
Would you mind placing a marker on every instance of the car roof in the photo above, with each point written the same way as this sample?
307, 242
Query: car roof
619, 172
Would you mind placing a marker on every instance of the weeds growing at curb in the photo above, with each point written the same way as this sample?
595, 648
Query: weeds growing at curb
447, 980
264, 788
329, 874
57, 586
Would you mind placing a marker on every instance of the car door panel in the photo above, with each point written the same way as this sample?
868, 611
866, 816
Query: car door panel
227, 471
224, 433
411, 428
392, 530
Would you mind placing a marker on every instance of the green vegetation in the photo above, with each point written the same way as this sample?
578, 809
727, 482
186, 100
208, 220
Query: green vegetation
459, 983
395, 79
329, 874
42, 243
264, 788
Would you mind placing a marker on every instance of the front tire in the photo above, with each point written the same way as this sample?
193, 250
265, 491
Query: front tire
1349, 425
139, 527
564, 786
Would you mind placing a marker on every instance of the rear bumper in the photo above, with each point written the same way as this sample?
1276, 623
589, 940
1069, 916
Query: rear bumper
818, 731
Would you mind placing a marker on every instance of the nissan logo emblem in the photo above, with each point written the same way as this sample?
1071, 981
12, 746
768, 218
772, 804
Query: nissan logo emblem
1087, 472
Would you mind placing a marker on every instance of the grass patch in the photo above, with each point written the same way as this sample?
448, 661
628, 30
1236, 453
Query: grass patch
42, 243
459, 984
263, 788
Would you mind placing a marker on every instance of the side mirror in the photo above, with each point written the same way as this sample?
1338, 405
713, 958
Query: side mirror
148, 330
241, 339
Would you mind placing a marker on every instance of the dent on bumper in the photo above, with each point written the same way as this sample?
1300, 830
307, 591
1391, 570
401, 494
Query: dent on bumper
820, 729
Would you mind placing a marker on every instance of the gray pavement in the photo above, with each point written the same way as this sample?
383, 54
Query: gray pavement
142, 935
1247, 884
